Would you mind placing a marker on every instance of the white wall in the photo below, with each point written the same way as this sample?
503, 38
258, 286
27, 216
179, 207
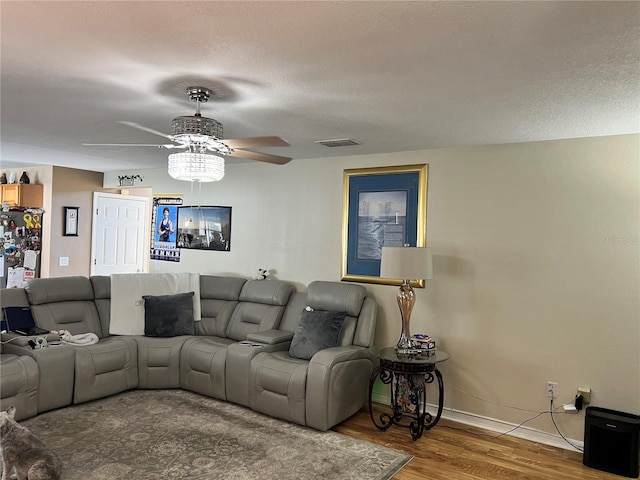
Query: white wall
536, 262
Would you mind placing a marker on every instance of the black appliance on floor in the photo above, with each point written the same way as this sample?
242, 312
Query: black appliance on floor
611, 441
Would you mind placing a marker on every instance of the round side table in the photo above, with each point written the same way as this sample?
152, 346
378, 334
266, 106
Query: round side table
408, 375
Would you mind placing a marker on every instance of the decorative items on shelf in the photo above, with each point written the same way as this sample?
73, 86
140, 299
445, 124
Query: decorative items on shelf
3, 178
12, 177
128, 180
24, 178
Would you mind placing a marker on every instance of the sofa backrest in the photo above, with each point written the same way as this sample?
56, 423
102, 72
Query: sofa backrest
102, 297
64, 303
13, 297
231, 307
262, 304
291, 317
360, 322
218, 299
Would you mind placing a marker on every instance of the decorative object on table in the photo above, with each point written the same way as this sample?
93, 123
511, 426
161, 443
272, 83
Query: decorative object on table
408, 263
5, 206
12, 177
424, 342
3, 179
204, 145
382, 207
263, 274
128, 180
24, 178
70, 221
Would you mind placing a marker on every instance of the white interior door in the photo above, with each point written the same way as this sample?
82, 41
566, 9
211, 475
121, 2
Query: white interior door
121, 230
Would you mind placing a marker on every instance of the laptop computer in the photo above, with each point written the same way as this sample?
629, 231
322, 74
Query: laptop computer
19, 320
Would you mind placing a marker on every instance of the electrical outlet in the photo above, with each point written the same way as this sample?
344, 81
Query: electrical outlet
586, 394
552, 389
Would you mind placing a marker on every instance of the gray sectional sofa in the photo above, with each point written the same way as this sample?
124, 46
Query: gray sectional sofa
239, 352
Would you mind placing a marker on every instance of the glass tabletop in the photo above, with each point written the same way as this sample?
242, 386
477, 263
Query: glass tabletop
389, 353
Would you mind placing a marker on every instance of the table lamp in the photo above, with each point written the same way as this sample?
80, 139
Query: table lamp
406, 263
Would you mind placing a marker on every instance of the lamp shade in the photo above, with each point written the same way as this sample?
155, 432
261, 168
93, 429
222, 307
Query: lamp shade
407, 263
196, 167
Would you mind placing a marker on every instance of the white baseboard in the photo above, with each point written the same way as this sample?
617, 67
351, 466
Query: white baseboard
499, 426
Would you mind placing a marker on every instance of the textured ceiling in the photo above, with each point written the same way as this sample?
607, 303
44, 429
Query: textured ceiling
394, 76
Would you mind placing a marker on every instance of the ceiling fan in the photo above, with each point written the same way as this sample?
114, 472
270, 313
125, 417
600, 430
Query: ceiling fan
200, 135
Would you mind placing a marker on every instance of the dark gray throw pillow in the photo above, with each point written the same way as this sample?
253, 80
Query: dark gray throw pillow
316, 331
168, 315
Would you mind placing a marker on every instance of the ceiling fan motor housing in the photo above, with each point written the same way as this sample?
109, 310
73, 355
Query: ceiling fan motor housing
196, 125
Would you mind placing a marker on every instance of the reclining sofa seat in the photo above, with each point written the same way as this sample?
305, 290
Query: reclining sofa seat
19, 378
54, 366
159, 357
240, 355
19, 374
260, 306
219, 297
67, 303
333, 384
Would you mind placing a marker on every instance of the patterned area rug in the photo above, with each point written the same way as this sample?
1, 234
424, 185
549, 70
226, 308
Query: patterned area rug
160, 434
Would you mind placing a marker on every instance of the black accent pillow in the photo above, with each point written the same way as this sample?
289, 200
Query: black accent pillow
168, 315
316, 331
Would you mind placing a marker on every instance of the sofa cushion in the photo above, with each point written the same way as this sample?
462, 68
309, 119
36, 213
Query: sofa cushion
316, 331
168, 315
218, 298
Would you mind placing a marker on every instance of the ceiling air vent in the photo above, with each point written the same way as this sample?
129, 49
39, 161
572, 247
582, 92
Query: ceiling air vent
338, 142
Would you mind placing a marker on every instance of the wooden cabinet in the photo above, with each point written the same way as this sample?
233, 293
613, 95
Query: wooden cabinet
21, 194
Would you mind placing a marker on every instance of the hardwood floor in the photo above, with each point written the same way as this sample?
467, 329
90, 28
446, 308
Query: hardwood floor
449, 454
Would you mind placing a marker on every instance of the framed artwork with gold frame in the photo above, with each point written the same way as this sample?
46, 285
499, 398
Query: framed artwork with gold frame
381, 206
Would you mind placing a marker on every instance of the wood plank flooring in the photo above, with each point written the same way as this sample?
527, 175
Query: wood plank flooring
451, 454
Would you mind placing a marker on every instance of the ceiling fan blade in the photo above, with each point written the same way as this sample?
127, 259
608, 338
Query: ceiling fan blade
143, 128
255, 142
260, 157
168, 146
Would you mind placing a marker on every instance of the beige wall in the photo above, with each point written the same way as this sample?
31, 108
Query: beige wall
72, 188
536, 262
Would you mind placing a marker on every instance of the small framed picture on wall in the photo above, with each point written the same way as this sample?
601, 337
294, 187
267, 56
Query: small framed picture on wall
71, 221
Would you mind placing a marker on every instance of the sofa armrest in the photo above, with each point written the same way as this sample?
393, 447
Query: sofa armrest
270, 337
337, 385
56, 371
23, 340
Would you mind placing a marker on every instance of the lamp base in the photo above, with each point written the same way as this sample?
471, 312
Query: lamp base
406, 299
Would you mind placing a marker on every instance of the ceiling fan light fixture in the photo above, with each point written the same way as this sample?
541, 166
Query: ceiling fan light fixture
196, 167
196, 125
